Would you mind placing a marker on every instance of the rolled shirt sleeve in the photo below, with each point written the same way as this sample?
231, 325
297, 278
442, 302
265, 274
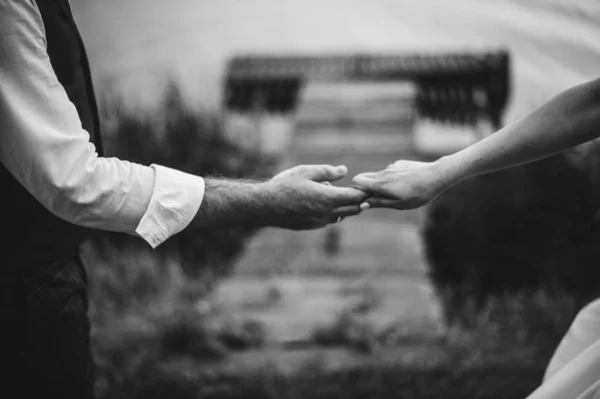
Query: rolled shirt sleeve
44, 146
175, 200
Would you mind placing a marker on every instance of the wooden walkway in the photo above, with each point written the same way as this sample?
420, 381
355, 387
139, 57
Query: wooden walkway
380, 250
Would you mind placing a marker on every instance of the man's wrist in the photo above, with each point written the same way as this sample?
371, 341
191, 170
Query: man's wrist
233, 203
272, 194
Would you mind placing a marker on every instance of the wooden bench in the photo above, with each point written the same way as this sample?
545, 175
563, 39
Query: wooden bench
459, 88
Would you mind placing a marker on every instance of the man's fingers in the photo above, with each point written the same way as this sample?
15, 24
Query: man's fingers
317, 173
345, 211
322, 173
378, 202
346, 195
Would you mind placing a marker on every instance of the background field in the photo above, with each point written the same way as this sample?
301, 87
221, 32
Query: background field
349, 310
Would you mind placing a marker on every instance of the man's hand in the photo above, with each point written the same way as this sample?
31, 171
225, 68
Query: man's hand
299, 198
403, 185
307, 200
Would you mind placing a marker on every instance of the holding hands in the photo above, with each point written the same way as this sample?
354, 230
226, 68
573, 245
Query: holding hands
403, 184
308, 200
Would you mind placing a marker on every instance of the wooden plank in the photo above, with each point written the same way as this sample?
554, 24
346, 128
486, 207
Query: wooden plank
360, 117
366, 91
361, 140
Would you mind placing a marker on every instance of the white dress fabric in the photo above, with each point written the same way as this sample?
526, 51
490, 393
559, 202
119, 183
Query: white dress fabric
574, 370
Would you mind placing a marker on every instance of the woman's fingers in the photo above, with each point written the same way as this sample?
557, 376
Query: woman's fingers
368, 182
365, 181
378, 202
322, 173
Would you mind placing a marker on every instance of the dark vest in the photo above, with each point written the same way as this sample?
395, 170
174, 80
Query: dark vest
35, 235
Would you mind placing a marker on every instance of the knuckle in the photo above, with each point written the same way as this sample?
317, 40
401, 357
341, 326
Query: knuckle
328, 171
379, 183
323, 170
316, 207
301, 169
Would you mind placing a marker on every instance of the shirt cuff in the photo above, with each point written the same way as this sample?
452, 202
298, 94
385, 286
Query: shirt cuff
175, 200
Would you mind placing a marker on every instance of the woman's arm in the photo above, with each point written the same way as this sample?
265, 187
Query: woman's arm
569, 119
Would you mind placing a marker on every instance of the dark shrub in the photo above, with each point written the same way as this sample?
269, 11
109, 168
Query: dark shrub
348, 330
525, 228
243, 335
525, 327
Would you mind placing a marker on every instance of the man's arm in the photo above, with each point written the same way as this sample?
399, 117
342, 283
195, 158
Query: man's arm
43, 145
569, 119
294, 199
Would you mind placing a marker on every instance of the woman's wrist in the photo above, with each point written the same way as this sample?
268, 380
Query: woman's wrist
449, 171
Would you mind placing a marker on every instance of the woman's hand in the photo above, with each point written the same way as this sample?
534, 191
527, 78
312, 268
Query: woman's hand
404, 184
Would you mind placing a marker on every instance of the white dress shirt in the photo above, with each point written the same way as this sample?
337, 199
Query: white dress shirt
43, 145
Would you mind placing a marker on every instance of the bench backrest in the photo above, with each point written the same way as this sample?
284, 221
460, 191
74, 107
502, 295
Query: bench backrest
455, 87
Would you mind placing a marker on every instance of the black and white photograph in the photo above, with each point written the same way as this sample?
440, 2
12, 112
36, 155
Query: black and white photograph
286, 199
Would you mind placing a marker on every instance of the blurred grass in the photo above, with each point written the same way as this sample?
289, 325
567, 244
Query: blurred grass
484, 382
504, 355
